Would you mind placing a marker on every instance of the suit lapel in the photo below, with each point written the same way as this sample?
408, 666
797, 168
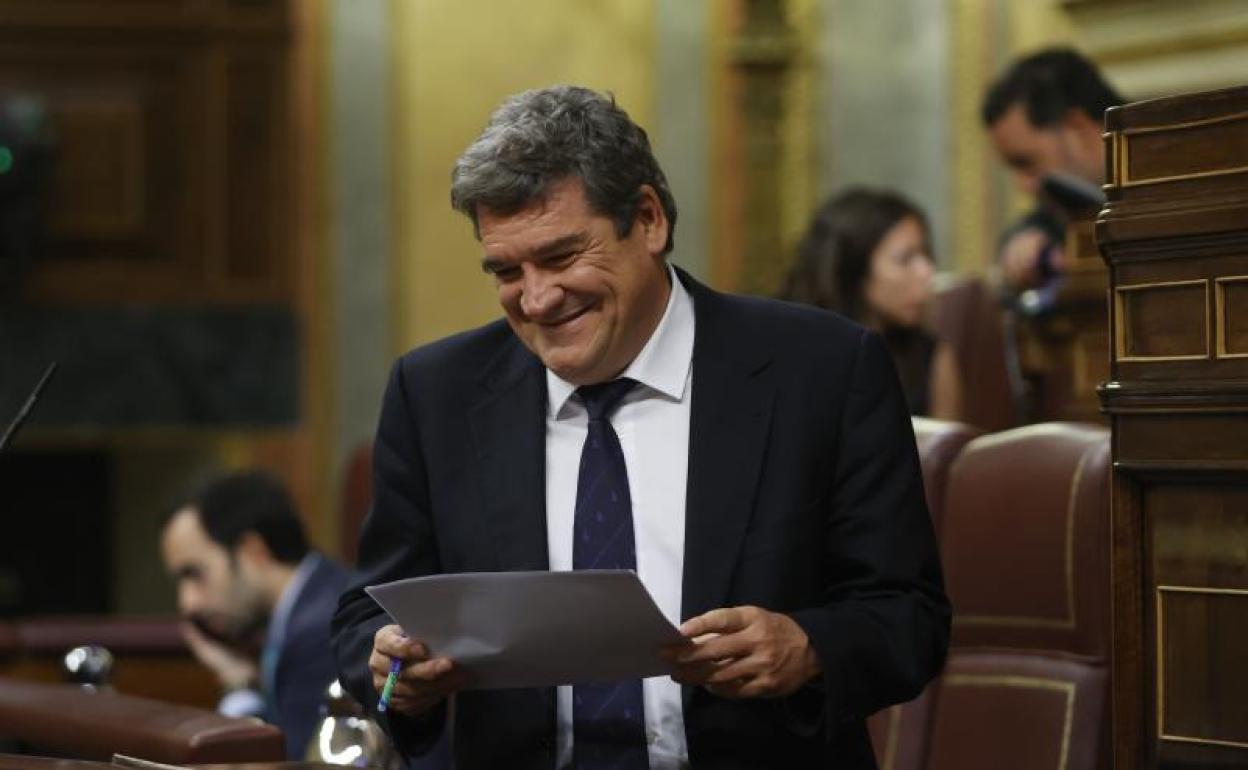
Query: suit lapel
509, 434
731, 414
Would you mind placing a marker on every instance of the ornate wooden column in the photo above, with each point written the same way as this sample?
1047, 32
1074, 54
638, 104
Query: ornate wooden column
763, 53
764, 168
1175, 236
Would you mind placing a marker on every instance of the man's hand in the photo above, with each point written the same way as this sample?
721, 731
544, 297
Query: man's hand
744, 652
424, 680
234, 669
1020, 258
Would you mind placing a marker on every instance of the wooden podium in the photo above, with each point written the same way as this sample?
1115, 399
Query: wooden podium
1174, 234
1063, 353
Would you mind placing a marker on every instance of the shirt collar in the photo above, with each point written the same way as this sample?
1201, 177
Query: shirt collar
663, 363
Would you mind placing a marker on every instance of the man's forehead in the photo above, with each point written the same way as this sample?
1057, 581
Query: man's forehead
563, 196
185, 532
556, 223
1015, 127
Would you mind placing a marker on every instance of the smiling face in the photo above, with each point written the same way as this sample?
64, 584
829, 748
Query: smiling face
584, 300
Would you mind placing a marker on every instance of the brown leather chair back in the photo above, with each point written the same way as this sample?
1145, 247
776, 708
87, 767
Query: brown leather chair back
1026, 540
1019, 711
899, 733
66, 720
1025, 545
966, 316
939, 442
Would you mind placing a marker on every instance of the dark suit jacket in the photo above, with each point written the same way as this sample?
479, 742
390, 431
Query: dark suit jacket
804, 497
305, 665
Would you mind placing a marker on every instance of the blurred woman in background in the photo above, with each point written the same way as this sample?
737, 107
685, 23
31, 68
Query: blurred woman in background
867, 255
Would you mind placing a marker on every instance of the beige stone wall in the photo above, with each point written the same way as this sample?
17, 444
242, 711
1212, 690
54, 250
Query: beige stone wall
453, 62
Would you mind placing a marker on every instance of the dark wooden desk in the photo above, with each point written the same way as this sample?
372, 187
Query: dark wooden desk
152, 661
1175, 235
270, 766
23, 762
62, 719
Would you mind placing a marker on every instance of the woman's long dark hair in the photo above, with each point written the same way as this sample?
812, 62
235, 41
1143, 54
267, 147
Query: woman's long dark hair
832, 264
834, 256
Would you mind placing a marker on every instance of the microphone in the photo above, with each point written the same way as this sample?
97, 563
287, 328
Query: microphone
16, 425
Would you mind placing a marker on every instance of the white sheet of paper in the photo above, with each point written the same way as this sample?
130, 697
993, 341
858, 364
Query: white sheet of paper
534, 629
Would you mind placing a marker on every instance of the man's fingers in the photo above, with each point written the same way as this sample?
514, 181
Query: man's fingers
430, 682
721, 647
737, 671
421, 686
391, 641
725, 620
379, 662
426, 670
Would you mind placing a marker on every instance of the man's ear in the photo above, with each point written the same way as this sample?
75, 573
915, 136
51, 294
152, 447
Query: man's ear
652, 220
252, 550
1082, 123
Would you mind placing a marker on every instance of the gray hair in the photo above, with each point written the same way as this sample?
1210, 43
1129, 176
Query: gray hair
540, 137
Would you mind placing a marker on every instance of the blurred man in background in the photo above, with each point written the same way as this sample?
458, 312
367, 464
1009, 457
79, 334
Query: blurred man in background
1045, 118
256, 600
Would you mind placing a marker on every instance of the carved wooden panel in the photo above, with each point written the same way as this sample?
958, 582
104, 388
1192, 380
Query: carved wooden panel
1162, 321
1201, 679
122, 149
1199, 547
1175, 235
1187, 150
1232, 316
99, 189
170, 124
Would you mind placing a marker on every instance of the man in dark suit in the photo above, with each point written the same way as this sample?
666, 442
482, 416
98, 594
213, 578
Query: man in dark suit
256, 600
752, 460
1045, 118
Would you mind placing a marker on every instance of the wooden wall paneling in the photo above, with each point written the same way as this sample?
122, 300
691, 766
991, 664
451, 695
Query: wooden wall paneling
123, 191
171, 125
182, 125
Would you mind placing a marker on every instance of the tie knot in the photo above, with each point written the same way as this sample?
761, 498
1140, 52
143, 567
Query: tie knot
600, 400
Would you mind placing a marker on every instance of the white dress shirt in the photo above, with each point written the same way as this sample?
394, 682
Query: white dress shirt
652, 422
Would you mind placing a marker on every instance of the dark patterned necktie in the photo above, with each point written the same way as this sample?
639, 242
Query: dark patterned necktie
608, 719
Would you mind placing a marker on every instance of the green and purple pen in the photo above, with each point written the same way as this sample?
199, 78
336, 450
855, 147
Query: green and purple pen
396, 665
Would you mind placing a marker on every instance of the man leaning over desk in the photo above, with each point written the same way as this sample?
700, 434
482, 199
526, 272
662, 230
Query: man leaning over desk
752, 460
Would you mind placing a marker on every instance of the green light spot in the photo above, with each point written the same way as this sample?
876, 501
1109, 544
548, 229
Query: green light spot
6, 159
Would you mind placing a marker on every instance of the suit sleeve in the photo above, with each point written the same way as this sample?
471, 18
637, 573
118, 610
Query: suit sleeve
883, 631
397, 541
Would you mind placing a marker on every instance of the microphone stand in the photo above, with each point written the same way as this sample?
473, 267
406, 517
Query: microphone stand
16, 425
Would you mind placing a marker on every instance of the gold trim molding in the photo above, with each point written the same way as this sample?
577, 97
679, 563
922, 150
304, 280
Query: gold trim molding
1124, 153
1161, 670
1219, 305
1120, 338
1028, 683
